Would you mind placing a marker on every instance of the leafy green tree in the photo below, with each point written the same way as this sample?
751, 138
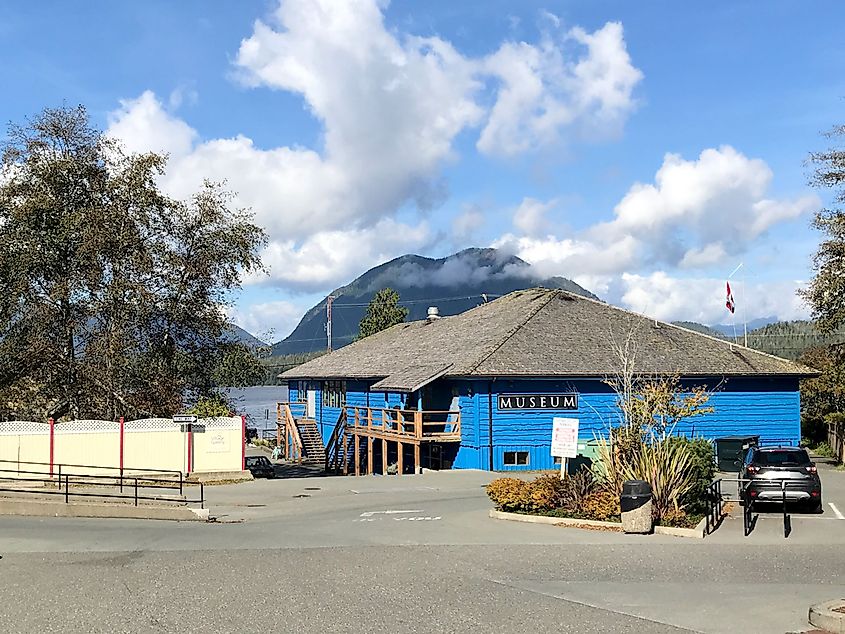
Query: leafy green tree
822, 396
383, 312
239, 367
826, 292
112, 291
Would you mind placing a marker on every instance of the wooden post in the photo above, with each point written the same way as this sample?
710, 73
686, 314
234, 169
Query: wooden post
369, 455
418, 424
399, 448
357, 454
345, 454
384, 456
416, 457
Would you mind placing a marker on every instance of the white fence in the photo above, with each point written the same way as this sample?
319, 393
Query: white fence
154, 444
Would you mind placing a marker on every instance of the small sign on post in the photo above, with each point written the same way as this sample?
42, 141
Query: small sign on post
185, 421
564, 440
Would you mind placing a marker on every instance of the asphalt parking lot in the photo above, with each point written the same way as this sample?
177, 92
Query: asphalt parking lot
407, 554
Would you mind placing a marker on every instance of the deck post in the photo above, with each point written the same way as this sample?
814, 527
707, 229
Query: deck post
417, 468
384, 456
369, 455
357, 454
399, 448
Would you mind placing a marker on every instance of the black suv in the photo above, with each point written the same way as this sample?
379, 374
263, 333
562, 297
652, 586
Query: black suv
768, 469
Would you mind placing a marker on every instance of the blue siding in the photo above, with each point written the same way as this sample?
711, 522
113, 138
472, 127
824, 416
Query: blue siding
767, 407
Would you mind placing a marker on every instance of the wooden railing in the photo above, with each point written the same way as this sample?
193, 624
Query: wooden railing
337, 449
399, 424
287, 433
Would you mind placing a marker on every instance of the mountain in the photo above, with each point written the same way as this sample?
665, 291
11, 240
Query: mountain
697, 327
728, 330
236, 334
790, 339
452, 284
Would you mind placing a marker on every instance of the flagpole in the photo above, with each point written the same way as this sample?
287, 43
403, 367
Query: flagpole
733, 314
744, 312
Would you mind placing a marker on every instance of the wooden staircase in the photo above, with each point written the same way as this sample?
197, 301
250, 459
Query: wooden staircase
312, 442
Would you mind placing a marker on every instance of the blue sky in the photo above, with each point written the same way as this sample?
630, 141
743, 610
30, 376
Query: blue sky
643, 149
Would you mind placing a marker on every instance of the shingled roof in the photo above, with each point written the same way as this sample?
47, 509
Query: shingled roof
537, 333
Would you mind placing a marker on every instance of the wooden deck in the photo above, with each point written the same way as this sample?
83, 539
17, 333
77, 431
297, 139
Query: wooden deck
360, 430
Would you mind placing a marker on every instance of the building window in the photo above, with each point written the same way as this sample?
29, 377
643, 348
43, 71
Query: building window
334, 394
516, 458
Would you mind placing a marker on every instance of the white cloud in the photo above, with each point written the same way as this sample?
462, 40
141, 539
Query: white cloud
466, 223
543, 91
143, 125
390, 105
697, 214
329, 258
530, 216
668, 298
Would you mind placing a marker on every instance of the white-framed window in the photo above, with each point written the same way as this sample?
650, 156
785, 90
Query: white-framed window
334, 394
516, 458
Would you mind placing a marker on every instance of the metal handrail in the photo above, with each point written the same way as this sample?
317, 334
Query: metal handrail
716, 499
66, 479
86, 466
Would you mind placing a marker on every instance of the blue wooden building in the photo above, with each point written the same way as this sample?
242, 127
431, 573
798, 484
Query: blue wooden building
480, 389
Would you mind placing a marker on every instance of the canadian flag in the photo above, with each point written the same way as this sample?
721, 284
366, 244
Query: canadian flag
729, 298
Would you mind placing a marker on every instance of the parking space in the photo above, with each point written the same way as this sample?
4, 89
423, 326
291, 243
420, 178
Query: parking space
803, 527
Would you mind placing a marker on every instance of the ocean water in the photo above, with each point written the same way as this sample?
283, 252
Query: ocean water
257, 403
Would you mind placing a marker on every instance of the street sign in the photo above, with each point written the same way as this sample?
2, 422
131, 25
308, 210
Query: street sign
565, 437
185, 419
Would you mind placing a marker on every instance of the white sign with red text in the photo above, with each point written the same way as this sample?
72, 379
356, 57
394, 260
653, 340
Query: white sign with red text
565, 437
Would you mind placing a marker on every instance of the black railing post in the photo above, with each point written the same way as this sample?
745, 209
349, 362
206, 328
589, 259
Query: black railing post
60, 477
787, 528
202, 496
121, 479
67, 490
136, 491
180, 483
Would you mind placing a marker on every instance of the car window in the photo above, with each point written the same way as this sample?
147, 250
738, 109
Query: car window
251, 462
795, 458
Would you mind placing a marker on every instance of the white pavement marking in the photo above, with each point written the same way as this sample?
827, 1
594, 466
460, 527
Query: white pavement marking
418, 519
836, 511
389, 512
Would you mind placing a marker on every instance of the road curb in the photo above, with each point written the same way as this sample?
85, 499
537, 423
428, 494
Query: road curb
823, 616
553, 521
38, 508
214, 477
696, 533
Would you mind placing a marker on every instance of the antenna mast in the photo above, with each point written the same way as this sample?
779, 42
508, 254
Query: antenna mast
329, 301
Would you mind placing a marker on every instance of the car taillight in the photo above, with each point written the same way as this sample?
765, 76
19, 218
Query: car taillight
815, 494
811, 469
752, 469
752, 493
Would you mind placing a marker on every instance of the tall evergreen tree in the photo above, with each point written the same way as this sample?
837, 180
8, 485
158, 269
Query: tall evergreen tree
383, 312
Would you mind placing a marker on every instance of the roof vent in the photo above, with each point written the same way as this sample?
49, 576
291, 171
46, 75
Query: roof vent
433, 313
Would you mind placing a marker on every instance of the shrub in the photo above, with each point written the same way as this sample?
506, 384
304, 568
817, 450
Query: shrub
703, 470
675, 517
600, 505
546, 493
576, 488
666, 466
824, 450
510, 494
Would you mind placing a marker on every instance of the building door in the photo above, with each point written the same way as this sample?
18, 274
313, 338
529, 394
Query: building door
311, 402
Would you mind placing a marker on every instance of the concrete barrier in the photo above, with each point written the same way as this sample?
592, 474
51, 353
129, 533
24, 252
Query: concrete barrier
49, 508
825, 616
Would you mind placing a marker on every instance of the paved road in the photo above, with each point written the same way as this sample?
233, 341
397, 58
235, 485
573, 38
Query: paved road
409, 554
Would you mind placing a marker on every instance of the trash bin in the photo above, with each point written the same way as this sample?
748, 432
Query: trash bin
730, 451
635, 504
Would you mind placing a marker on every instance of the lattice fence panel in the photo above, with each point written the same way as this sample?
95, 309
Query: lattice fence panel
151, 424
23, 427
87, 427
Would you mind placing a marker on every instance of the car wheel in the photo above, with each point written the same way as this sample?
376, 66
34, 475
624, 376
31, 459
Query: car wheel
816, 506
